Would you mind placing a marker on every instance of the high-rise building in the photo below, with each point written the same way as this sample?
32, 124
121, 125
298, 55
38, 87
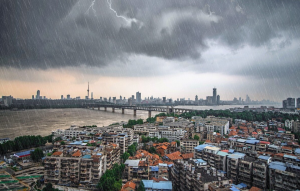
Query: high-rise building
214, 101
298, 103
290, 103
62, 97
68, 96
32, 96
114, 100
109, 99
132, 97
100, 98
218, 99
120, 97
7, 100
138, 97
38, 94
92, 95
248, 100
164, 99
196, 98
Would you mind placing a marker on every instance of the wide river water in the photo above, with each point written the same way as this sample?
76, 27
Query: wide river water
44, 121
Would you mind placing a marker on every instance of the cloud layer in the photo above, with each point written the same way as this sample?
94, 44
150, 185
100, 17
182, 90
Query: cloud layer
48, 34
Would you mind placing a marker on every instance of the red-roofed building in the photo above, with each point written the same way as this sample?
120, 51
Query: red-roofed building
174, 156
129, 186
77, 154
57, 154
187, 156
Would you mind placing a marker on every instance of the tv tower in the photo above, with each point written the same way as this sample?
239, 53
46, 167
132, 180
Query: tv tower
88, 90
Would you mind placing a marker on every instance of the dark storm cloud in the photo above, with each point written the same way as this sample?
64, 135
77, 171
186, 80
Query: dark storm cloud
45, 34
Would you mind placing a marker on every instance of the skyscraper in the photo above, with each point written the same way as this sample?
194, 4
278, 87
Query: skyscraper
68, 96
38, 94
298, 103
32, 96
92, 95
138, 97
62, 97
196, 98
218, 99
214, 101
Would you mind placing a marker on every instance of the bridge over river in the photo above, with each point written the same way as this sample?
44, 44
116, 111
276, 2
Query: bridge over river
168, 109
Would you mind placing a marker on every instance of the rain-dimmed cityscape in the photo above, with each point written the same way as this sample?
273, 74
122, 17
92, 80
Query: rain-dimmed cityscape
143, 95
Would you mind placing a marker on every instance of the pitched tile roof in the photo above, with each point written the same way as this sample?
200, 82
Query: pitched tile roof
174, 156
57, 153
187, 155
77, 154
129, 184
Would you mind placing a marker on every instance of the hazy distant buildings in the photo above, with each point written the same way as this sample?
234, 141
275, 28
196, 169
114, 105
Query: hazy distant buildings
248, 100
32, 96
164, 99
62, 97
209, 100
214, 99
92, 95
130, 101
218, 99
138, 97
68, 96
298, 103
196, 98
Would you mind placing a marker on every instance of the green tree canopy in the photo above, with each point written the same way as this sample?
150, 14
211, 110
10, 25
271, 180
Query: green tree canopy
196, 137
125, 156
141, 186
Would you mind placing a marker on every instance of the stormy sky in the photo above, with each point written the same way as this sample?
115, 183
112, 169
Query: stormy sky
170, 48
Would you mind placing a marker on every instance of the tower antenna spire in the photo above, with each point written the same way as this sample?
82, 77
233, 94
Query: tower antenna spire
88, 90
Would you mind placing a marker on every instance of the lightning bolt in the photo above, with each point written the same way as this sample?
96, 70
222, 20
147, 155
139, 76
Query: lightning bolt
128, 20
91, 7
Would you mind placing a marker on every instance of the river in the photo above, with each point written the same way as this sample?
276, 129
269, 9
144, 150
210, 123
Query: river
44, 121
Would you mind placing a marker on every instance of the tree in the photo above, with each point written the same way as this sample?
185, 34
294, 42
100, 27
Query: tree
196, 137
178, 143
152, 150
37, 154
162, 140
111, 179
141, 186
62, 143
125, 156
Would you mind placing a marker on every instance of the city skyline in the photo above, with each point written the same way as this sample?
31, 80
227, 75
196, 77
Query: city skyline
176, 49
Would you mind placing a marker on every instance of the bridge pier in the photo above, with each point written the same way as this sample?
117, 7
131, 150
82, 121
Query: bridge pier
134, 112
113, 109
105, 108
123, 110
149, 113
